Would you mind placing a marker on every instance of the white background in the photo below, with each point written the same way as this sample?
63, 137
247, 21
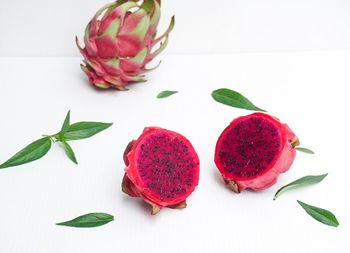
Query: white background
306, 89
309, 91
47, 27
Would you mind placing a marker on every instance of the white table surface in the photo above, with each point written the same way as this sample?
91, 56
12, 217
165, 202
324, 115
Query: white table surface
307, 90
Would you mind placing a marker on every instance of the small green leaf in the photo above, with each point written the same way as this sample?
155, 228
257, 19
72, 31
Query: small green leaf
166, 93
82, 130
322, 215
32, 152
307, 180
69, 152
65, 123
234, 99
88, 220
305, 150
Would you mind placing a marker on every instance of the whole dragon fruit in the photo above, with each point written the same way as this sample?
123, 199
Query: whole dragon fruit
119, 42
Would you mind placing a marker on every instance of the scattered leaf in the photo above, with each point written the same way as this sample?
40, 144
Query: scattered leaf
234, 99
166, 93
307, 180
322, 215
88, 220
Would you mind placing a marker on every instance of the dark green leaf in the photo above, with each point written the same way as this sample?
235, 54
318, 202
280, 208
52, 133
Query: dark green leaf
88, 220
305, 150
234, 99
32, 152
69, 152
166, 93
307, 180
65, 123
322, 215
82, 130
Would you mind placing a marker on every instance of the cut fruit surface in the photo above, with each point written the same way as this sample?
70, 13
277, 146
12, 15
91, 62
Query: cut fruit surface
253, 150
162, 168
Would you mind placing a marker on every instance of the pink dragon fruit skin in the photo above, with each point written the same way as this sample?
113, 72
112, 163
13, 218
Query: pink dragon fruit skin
119, 43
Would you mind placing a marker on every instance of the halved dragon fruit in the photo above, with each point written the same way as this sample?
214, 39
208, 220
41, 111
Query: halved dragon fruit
162, 168
253, 150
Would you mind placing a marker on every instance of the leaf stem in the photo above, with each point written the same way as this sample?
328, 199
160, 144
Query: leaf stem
53, 137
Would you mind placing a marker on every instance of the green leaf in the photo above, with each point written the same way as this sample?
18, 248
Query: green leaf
234, 99
82, 130
88, 220
305, 150
307, 180
69, 152
32, 152
322, 215
66, 122
166, 93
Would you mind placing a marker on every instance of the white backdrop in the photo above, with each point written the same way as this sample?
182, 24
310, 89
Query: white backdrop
47, 27
307, 90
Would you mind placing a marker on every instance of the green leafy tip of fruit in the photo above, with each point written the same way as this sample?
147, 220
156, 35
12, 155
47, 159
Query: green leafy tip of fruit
69, 132
234, 99
88, 220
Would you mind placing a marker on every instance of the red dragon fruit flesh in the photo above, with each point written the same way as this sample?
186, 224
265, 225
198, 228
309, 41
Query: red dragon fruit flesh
253, 150
162, 168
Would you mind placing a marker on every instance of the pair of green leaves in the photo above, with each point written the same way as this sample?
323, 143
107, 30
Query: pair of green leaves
69, 132
224, 96
322, 215
88, 220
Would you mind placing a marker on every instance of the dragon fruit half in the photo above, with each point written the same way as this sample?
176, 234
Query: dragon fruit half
253, 150
119, 42
162, 168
